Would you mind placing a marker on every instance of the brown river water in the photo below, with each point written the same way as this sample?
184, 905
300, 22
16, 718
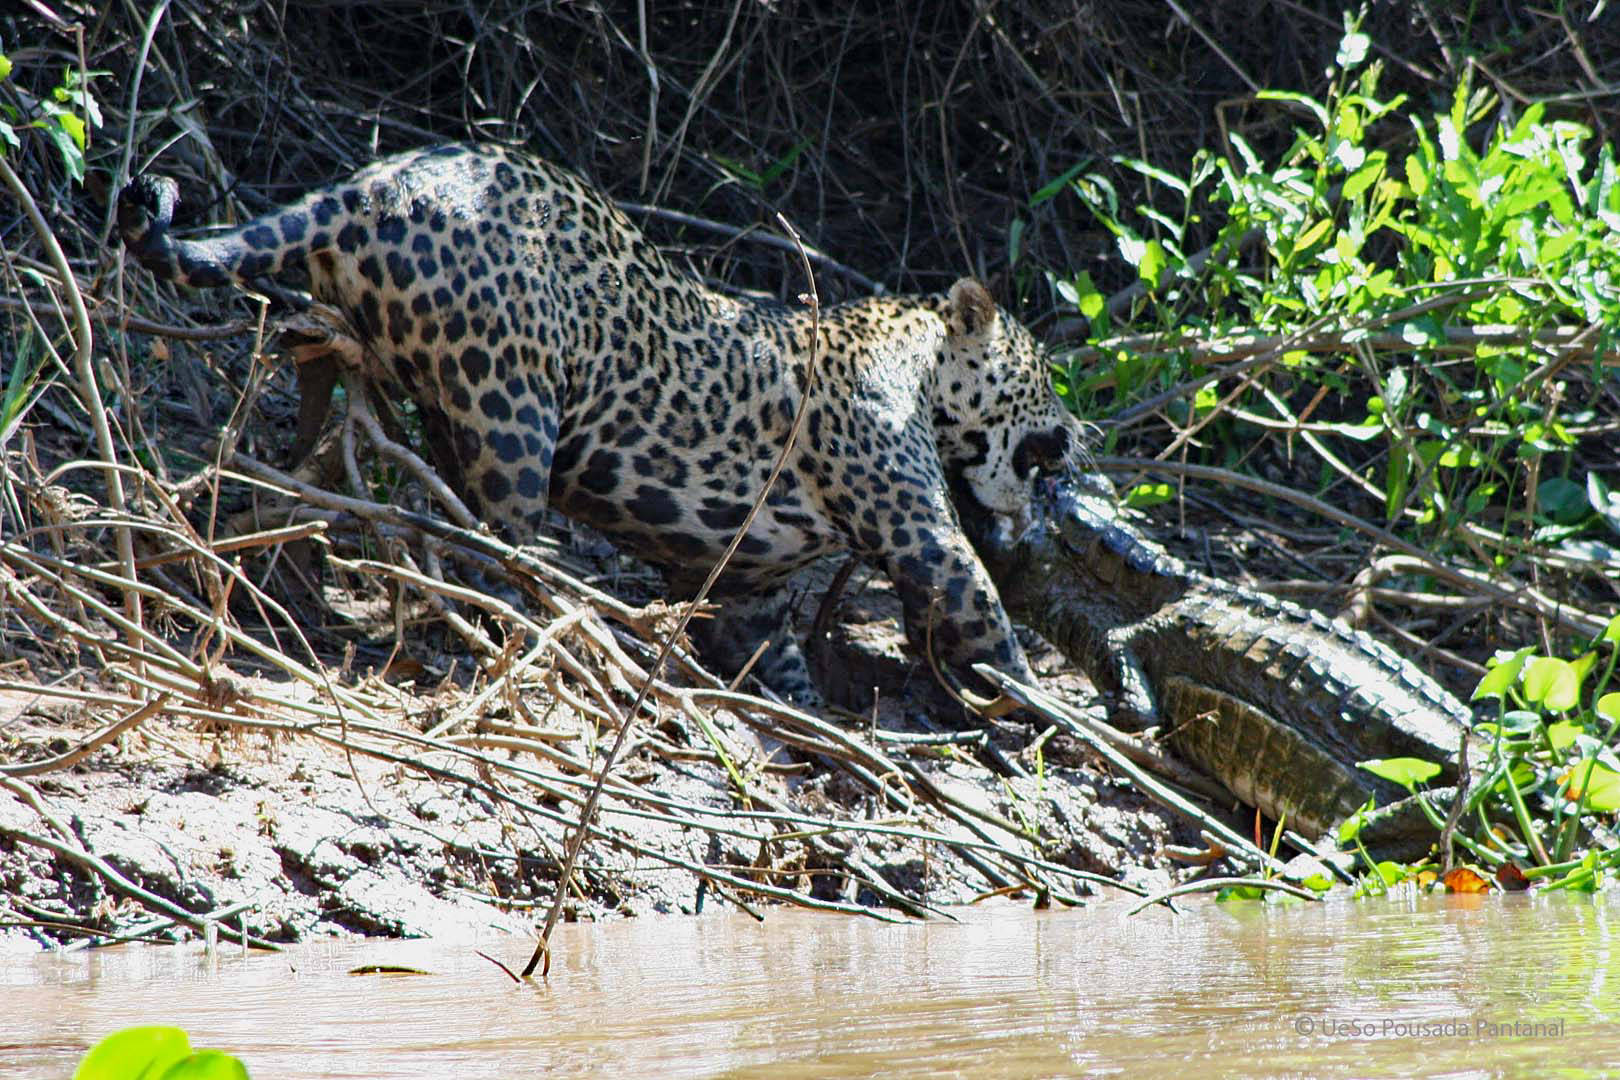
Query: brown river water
1518, 985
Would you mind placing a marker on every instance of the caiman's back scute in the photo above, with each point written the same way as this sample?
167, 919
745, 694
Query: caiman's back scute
1276, 701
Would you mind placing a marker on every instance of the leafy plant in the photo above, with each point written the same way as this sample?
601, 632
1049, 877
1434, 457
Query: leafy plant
64, 117
1543, 806
1405, 287
155, 1053
1470, 246
22, 387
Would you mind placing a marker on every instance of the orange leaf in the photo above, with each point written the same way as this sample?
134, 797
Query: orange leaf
1463, 879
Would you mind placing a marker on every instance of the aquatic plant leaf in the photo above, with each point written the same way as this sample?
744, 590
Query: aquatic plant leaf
1405, 771
1601, 788
1552, 683
1391, 873
1562, 734
1517, 722
1464, 879
1502, 676
1350, 828
207, 1065
1239, 892
134, 1053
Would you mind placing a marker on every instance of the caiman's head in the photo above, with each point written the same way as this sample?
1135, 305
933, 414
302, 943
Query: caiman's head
999, 423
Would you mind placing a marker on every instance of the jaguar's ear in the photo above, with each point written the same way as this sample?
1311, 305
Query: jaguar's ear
972, 310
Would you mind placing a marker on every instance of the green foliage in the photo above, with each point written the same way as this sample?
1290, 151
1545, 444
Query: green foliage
760, 179
1541, 810
1551, 778
1406, 771
63, 118
1422, 254
1407, 278
23, 386
155, 1053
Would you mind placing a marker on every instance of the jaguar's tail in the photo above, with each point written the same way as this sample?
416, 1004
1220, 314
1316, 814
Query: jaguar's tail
236, 256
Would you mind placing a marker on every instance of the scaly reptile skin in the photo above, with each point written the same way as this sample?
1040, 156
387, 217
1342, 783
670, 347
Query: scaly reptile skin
1276, 701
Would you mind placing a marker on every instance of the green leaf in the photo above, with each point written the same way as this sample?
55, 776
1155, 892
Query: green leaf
1240, 892
1562, 500
134, 1053
5, 66
1417, 178
1156, 173
1562, 734
1351, 827
1608, 707
1520, 721
1366, 176
73, 126
1601, 789
785, 162
1153, 263
207, 1065
1552, 684
1405, 771
1081, 292
1604, 501
1312, 235
1395, 389
1318, 883
1390, 873
1503, 674
1057, 185
1144, 495
72, 157
740, 171
1089, 300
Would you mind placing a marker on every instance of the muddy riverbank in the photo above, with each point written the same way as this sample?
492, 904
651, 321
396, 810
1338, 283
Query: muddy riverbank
296, 830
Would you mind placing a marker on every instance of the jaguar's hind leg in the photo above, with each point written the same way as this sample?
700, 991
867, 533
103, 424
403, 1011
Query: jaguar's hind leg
740, 626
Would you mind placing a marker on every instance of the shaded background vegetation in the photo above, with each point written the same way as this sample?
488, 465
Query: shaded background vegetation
904, 139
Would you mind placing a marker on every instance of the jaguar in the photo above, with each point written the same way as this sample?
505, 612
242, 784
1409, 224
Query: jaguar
567, 363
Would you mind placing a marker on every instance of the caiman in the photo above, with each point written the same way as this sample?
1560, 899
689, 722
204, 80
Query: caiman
1276, 701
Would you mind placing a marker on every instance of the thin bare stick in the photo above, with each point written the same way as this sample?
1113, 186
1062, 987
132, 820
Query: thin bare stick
90, 745
119, 883
1217, 883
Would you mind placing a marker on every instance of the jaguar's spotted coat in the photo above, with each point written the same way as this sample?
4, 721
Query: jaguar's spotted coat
568, 363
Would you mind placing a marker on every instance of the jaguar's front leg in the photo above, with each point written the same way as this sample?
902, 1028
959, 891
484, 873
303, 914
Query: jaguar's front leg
952, 610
